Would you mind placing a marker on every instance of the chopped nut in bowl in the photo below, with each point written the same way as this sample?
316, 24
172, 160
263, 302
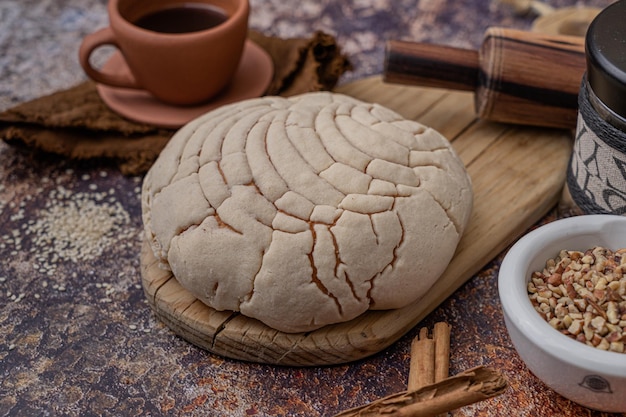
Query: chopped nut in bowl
563, 294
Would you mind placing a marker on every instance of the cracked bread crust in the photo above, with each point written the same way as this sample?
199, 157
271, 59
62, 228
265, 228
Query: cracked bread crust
306, 211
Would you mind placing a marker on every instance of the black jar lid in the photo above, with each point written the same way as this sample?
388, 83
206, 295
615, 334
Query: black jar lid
606, 57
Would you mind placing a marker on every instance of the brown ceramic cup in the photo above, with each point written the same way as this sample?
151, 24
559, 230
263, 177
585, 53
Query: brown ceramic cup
177, 68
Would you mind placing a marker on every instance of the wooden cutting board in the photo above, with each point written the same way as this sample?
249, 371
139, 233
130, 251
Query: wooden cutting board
517, 175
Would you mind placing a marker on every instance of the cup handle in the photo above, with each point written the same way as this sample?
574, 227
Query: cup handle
90, 43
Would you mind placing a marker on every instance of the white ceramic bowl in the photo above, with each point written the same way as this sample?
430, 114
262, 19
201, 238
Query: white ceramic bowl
586, 375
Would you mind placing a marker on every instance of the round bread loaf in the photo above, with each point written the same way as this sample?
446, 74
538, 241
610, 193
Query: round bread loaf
306, 211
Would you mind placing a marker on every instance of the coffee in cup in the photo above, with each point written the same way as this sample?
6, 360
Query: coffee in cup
181, 52
189, 17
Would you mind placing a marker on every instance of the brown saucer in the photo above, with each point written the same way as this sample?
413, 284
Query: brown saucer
251, 80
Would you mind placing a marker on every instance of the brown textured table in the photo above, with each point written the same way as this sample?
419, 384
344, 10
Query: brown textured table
76, 334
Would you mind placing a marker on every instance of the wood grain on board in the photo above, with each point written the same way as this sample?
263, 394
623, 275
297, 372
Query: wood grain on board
517, 174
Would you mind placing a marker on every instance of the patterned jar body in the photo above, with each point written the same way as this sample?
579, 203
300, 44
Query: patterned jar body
596, 176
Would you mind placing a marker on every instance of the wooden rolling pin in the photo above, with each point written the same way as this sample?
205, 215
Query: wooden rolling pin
518, 77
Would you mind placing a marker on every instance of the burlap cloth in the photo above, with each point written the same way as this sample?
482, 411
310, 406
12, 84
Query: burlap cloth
75, 123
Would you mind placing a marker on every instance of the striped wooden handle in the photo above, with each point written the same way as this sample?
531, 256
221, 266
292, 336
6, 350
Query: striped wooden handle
519, 77
430, 65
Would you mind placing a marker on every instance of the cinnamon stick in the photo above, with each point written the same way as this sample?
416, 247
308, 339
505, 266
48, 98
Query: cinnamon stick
422, 365
468, 387
441, 335
430, 358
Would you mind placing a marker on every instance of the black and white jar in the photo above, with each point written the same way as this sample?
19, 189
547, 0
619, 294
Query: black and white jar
596, 176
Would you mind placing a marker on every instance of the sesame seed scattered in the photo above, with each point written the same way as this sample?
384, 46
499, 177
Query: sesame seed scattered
77, 227
59, 225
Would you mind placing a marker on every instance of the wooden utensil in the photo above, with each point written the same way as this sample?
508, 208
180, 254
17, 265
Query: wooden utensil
518, 77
